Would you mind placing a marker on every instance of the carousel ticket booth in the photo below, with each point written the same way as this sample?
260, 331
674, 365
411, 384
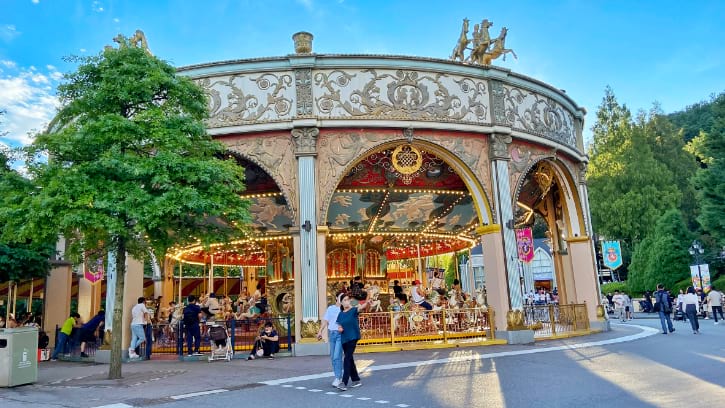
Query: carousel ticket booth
370, 166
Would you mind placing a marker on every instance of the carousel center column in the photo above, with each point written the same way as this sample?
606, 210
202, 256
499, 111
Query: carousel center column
305, 139
516, 331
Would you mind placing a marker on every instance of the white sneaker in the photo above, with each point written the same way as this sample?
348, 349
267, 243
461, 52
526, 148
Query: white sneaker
336, 382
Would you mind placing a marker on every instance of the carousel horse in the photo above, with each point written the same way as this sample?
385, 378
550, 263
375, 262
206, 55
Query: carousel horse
374, 303
462, 43
498, 49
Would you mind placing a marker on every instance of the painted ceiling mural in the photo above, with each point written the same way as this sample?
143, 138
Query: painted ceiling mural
395, 211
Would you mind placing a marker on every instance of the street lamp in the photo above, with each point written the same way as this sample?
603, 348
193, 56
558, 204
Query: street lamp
696, 250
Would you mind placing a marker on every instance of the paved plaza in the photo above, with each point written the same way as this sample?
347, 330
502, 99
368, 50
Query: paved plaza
633, 365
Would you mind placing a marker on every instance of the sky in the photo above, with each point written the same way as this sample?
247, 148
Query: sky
670, 52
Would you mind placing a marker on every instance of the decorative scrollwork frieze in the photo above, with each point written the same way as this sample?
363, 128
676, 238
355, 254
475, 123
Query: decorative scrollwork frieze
241, 99
400, 94
538, 115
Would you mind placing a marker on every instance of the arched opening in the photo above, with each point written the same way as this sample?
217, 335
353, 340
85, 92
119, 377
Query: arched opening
402, 211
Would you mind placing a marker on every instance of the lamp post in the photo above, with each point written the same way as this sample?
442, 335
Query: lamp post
696, 250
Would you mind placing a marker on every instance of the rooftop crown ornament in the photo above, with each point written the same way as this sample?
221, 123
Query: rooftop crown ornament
483, 49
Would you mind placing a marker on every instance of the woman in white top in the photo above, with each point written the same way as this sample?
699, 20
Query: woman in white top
689, 304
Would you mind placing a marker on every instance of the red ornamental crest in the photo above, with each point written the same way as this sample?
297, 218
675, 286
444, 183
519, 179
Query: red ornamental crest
94, 271
525, 244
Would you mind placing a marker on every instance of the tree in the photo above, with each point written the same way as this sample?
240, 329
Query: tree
629, 187
662, 257
23, 259
131, 167
710, 180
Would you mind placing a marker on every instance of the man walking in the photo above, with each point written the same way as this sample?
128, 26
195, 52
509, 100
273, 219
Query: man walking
139, 317
664, 309
192, 312
329, 322
715, 300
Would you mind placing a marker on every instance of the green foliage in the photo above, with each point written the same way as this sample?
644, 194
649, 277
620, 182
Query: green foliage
662, 257
710, 180
612, 286
638, 171
19, 258
131, 160
697, 118
131, 168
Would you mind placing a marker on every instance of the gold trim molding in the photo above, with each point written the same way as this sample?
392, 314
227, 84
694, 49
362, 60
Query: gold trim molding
488, 229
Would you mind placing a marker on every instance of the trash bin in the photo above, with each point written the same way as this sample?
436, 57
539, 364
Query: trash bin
18, 356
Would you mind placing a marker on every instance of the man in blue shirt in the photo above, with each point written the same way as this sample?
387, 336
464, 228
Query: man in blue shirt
89, 331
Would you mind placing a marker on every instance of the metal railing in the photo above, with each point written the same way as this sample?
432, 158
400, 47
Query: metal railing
407, 327
170, 339
553, 320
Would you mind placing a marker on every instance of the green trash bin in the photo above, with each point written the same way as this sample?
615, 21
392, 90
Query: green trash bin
18, 356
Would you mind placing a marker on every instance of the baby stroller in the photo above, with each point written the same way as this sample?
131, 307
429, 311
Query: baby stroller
679, 315
220, 342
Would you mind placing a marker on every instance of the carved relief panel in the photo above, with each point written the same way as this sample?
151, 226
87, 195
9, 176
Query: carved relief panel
249, 98
401, 94
275, 153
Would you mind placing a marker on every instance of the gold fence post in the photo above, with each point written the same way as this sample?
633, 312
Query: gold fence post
392, 327
552, 320
586, 313
443, 322
574, 319
492, 322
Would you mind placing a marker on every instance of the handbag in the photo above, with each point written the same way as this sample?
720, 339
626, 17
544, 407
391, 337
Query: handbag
657, 307
260, 349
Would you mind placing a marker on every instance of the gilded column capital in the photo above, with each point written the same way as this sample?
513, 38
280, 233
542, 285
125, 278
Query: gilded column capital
499, 147
305, 141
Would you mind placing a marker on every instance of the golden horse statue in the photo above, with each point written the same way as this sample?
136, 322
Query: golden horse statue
462, 44
481, 40
499, 49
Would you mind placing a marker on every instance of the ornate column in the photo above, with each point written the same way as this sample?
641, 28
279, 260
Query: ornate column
305, 140
595, 309
500, 157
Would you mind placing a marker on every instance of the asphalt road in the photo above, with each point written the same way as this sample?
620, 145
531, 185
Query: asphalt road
632, 366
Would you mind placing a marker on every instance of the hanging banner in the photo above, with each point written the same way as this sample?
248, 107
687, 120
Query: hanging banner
525, 244
612, 254
696, 271
93, 272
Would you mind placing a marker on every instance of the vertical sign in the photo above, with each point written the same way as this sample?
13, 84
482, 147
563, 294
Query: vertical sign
525, 244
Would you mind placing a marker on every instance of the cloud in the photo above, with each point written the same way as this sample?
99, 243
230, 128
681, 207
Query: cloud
116, 20
306, 3
8, 32
26, 95
97, 6
8, 64
35, 1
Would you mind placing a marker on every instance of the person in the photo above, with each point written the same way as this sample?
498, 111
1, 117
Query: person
397, 288
619, 301
89, 331
268, 341
715, 300
2, 322
418, 296
349, 328
689, 302
192, 315
329, 322
664, 309
61, 343
210, 306
437, 283
628, 307
139, 317
680, 296
357, 289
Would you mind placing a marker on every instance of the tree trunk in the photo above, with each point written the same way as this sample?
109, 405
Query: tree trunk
114, 370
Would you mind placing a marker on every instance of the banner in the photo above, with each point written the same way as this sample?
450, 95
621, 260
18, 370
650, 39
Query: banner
93, 270
525, 244
700, 270
612, 254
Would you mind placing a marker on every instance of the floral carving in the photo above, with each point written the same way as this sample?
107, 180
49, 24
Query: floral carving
400, 95
239, 99
539, 115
